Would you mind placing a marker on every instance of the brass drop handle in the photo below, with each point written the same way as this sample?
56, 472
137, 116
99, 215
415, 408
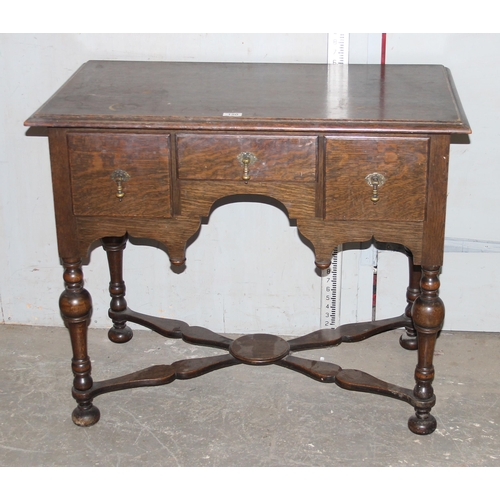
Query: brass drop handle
375, 180
120, 176
246, 159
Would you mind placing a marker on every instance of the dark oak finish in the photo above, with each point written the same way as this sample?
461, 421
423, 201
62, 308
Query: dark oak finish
352, 154
259, 349
278, 158
145, 157
114, 248
402, 160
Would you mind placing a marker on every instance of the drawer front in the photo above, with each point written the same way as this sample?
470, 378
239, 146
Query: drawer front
376, 178
271, 158
120, 174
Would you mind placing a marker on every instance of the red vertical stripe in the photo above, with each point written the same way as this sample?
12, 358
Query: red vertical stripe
382, 58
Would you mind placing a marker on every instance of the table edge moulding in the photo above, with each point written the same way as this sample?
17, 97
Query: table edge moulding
353, 153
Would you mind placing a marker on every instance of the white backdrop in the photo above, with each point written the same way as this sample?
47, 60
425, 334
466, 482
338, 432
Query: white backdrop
243, 275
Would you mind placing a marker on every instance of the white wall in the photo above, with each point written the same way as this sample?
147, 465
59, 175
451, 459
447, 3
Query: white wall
265, 278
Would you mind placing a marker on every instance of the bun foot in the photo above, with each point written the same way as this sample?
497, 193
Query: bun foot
120, 335
85, 416
408, 342
422, 423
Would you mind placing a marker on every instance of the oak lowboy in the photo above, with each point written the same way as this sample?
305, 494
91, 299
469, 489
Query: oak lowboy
353, 153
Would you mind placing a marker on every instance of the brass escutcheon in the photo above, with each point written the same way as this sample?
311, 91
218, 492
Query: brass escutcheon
120, 176
375, 180
246, 159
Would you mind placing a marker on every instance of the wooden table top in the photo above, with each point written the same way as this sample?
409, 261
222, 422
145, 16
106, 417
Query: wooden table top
238, 96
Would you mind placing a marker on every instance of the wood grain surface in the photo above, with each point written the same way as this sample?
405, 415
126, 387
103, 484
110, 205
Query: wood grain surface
277, 158
93, 157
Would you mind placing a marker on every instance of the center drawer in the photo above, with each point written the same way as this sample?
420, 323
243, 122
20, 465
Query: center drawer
268, 157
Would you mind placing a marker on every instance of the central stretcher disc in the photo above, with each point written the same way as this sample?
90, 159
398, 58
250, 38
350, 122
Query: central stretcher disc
259, 349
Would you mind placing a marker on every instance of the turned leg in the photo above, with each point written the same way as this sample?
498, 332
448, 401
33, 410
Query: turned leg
428, 317
75, 304
408, 339
114, 247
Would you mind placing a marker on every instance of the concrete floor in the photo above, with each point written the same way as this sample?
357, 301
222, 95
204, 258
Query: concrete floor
244, 415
